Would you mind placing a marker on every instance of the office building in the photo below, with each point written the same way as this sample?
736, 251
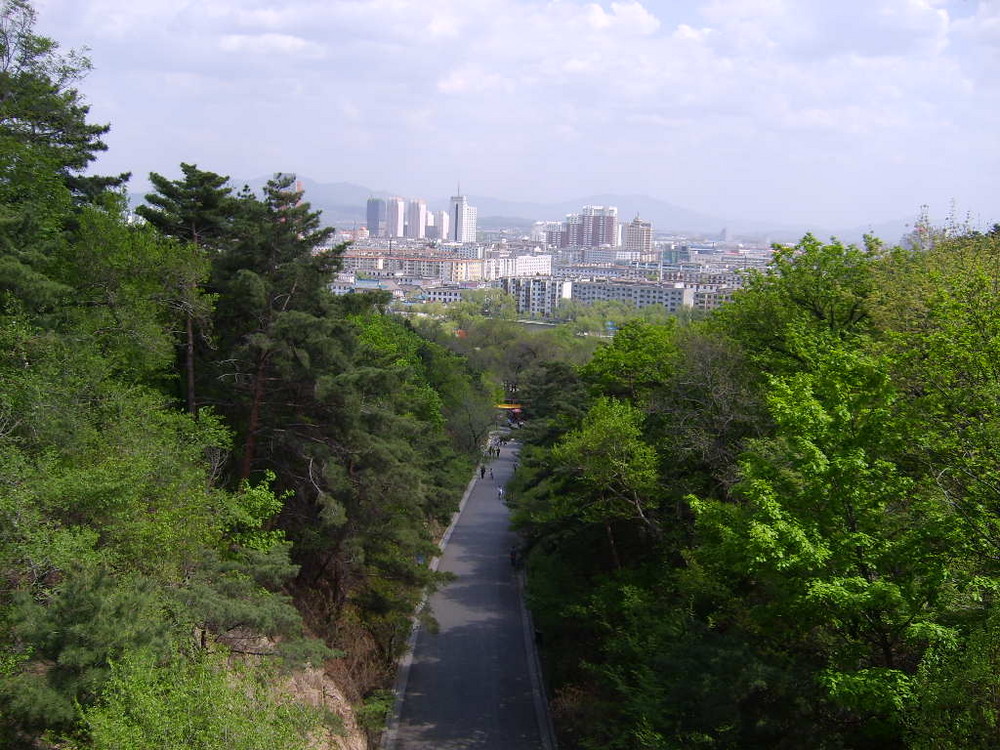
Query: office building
376, 217
463, 218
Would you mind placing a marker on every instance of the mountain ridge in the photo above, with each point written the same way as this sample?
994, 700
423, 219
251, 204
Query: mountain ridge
343, 206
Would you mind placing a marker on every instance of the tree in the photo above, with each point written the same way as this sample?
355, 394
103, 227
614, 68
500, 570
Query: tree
811, 286
638, 359
42, 115
842, 552
613, 471
272, 288
198, 209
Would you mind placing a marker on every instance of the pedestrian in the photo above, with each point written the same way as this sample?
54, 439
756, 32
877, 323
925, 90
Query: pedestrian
491, 472
499, 493
482, 472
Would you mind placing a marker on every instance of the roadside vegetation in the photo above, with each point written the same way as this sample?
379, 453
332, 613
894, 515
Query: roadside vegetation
777, 527
212, 470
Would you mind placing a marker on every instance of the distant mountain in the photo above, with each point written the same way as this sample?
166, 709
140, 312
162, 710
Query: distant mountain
344, 206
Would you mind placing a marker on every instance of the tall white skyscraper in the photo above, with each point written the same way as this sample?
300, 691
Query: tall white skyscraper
463, 217
444, 225
416, 219
395, 217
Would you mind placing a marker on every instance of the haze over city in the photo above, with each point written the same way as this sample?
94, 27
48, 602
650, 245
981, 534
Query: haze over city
804, 111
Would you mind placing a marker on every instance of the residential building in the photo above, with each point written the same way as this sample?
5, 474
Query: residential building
638, 293
599, 226
416, 219
538, 296
443, 223
395, 217
445, 268
498, 266
638, 238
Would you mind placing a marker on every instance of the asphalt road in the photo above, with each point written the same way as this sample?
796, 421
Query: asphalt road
470, 684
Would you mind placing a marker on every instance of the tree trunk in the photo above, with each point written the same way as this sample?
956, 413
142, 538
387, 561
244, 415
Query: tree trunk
613, 547
192, 404
250, 444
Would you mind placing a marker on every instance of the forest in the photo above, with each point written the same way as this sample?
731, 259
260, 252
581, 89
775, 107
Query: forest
776, 526
213, 472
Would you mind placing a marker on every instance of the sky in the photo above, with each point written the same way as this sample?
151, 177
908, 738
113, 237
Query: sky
834, 112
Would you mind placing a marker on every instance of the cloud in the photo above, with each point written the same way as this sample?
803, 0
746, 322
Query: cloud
473, 78
270, 44
629, 17
603, 94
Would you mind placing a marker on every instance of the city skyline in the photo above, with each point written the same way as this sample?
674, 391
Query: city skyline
834, 114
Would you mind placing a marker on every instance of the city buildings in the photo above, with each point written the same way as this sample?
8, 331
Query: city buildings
594, 226
538, 296
422, 255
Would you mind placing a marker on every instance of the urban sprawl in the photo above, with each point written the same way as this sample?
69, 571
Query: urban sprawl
439, 256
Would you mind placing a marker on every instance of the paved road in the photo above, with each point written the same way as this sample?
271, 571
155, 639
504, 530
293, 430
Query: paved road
469, 684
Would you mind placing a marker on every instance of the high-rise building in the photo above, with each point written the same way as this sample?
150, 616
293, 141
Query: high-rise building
443, 225
574, 230
600, 226
376, 217
463, 216
416, 219
639, 236
395, 217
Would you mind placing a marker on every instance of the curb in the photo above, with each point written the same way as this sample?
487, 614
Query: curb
538, 692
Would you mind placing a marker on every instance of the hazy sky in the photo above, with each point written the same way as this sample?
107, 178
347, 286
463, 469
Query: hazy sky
838, 112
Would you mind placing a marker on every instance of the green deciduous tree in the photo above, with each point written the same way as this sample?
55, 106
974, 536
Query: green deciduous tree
639, 359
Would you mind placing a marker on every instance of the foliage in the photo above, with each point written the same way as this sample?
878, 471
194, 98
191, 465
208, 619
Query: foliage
132, 543
202, 702
821, 477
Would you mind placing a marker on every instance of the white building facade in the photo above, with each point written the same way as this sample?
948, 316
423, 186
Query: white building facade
463, 220
416, 219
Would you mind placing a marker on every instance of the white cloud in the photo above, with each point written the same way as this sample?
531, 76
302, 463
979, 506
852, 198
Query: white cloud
821, 90
473, 78
629, 17
268, 44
